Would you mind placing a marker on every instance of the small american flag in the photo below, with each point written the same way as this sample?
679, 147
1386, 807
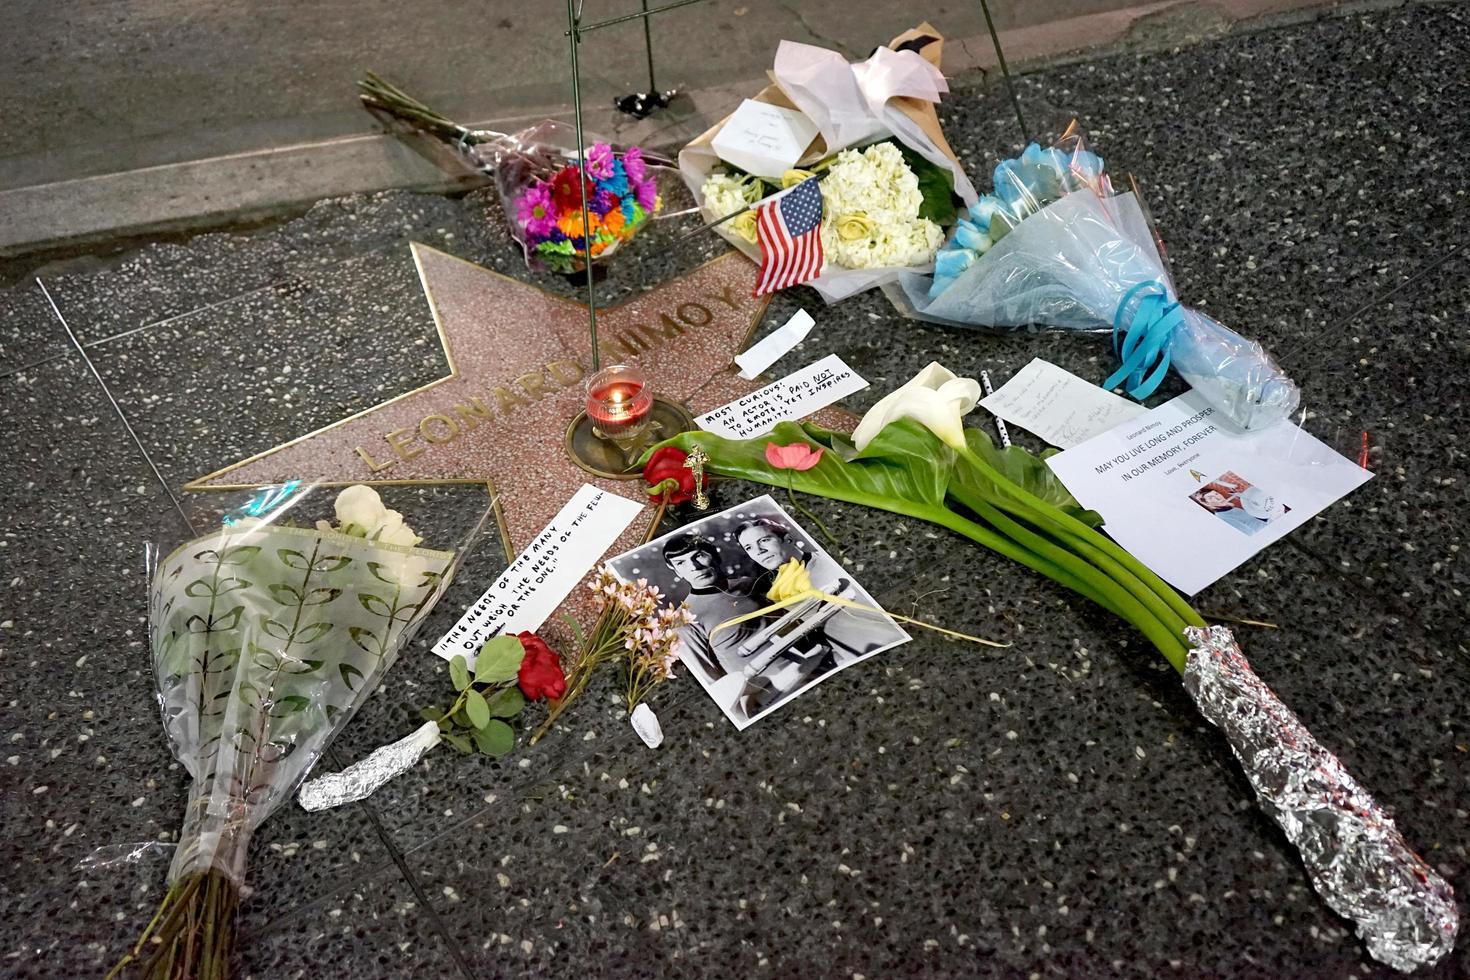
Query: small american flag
789, 229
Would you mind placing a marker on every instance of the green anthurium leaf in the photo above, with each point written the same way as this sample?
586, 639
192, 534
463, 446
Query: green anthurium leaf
906, 469
459, 673
1027, 471
496, 738
499, 660
476, 709
507, 703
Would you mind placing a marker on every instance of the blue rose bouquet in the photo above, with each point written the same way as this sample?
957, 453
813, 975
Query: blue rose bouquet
1053, 245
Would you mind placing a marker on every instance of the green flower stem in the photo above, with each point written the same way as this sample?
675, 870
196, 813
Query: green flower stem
1048, 558
1094, 543
1145, 606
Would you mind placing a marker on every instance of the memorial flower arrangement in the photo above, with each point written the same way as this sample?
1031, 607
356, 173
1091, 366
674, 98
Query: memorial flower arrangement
1055, 245
620, 194
912, 455
265, 637
632, 632
540, 173
883, 206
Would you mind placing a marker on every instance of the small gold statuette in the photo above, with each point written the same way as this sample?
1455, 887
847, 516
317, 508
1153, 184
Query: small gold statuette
697, 459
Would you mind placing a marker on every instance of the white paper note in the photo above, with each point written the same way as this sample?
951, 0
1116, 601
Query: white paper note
1192, 497
793, 397
645, 723
763, 139
1058, 406
544, 574
775, 345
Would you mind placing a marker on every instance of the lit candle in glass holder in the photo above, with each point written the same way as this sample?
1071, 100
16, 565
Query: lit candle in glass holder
618, 403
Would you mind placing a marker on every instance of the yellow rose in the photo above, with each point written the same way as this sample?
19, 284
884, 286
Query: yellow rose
744, 226
793, 177
854, 226
791, 579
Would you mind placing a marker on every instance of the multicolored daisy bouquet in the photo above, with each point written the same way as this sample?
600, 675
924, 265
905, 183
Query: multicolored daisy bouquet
540, 173
620, 195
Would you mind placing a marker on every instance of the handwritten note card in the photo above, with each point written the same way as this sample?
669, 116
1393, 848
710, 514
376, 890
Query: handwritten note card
1057, 405
793, 397
763, 139
545, 573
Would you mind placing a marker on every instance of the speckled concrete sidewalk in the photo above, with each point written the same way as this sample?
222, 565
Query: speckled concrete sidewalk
1057, 808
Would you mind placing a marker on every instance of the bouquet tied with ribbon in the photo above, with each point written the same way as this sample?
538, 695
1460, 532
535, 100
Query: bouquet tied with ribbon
1054, 245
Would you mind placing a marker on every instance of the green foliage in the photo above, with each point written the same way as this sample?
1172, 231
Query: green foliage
459, 673
499, 660
475, 709
495, 739
507, 703
1025, 470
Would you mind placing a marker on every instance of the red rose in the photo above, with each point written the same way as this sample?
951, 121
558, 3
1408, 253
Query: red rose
540, 675
667, 464
566, 190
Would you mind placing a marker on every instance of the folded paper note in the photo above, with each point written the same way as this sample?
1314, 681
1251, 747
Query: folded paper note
544, 574
764, 139
1058, 406
775, 345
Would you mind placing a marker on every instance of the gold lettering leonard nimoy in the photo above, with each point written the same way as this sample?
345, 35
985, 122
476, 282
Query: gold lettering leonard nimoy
507, 397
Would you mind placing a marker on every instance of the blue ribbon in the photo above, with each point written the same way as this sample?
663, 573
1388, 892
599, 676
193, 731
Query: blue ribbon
1145, 334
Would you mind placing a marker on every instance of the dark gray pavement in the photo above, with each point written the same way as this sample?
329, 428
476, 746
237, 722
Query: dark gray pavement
1057, 808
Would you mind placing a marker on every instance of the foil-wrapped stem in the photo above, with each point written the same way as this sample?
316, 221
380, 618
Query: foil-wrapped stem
1403, 909
361, 779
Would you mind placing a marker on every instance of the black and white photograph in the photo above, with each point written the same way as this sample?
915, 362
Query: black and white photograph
723, 566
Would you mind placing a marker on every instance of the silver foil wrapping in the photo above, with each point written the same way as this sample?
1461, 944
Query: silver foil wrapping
361, 779
1357, 860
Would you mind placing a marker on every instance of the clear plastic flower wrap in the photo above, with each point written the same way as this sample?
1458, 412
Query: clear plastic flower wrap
266, 632
536, 171
1055, 246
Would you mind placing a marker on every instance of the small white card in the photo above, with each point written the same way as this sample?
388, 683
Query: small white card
793, 397
775, 345
762, 139
1192, 497
545, 573
1058, 406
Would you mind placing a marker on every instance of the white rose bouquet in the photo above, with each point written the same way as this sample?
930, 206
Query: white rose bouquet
265, 637
890, 182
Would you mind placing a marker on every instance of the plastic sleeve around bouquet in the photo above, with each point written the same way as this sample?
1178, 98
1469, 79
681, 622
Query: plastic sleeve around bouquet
1084, 262
1357, 860
265, 638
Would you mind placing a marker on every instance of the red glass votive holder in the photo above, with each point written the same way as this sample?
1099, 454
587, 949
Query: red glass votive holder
619, 403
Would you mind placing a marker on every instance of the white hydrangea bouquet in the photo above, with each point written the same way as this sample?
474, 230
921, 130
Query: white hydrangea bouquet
890, 182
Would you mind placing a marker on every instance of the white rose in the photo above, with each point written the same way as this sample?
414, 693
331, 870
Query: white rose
392, 530
359, 510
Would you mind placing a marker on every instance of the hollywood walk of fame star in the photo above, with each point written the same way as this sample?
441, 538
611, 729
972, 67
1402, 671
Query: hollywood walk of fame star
518, 357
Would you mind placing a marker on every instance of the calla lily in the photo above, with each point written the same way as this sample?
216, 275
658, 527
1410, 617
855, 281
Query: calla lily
797, 456
936, 398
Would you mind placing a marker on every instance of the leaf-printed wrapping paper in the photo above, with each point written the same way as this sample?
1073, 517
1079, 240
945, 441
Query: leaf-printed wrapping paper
265, 638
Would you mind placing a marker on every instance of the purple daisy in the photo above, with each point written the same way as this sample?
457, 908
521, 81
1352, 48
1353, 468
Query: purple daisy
647, 193
603, 201
634, 164
536, 212
600, 161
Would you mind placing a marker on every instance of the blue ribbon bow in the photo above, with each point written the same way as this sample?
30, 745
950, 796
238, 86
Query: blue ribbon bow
1144, 346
